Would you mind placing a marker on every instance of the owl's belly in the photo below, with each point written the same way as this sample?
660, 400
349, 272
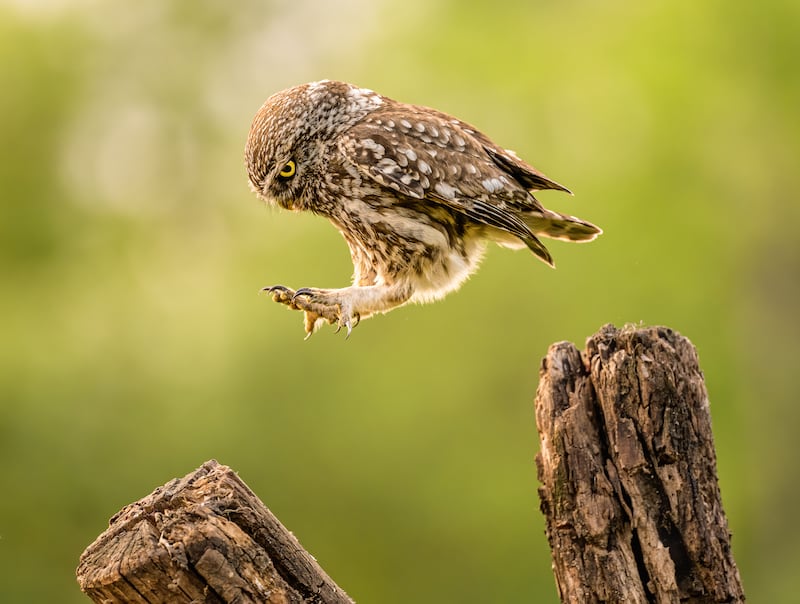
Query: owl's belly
445, 273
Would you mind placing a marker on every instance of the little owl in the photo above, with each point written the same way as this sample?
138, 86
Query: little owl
416, 194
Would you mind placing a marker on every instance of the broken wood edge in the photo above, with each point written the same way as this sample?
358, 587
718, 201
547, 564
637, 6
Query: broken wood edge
204, 536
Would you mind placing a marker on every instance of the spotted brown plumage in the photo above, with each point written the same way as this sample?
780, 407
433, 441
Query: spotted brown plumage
416, 194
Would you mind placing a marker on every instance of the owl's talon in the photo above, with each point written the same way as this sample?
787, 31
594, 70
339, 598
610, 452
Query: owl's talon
303, 291
312, 322
345, 323
280, 294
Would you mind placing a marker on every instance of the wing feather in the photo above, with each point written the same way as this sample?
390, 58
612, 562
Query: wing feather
427, 155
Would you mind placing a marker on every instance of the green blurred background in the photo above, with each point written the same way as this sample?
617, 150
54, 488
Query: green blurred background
136, 344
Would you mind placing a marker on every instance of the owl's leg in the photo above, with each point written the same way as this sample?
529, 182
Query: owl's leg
348, 305
345, 306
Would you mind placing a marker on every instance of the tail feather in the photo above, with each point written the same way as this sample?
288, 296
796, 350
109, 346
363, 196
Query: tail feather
560, 226
538, 248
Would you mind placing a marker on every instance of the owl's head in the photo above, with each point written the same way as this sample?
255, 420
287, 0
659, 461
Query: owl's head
293, 134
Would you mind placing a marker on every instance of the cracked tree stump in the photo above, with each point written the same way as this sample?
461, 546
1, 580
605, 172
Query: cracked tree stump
628, 472
202, 538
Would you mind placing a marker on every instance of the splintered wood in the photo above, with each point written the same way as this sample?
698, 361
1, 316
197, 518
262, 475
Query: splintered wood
628, 472
202, 538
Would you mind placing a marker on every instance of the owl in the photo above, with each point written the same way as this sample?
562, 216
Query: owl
415, 193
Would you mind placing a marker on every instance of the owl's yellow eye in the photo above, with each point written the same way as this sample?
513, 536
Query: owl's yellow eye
288, 170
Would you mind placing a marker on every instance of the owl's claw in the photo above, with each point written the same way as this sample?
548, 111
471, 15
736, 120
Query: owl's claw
281, 294
275, 288
318, 305
348, 323
303, 291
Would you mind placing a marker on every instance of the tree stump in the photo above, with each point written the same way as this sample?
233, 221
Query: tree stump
202, 538
628, 472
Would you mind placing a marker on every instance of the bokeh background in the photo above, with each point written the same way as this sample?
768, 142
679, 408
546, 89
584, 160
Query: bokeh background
135, 344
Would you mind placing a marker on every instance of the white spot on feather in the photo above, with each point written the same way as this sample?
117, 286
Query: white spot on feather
492, 184
378, 150
364, 98
445, 190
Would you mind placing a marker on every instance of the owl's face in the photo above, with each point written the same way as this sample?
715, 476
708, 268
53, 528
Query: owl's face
294, 136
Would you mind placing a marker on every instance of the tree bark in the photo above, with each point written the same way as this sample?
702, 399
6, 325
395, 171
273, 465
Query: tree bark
628, 472
202, 538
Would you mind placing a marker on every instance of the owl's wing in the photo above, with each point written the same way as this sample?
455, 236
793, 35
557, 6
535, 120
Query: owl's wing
528, 176
424, 154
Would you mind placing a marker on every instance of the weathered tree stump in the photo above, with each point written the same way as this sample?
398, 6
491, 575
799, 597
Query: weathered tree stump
202, 538
628, 472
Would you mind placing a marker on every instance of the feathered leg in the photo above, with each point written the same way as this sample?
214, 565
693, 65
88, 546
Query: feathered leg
344, 307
